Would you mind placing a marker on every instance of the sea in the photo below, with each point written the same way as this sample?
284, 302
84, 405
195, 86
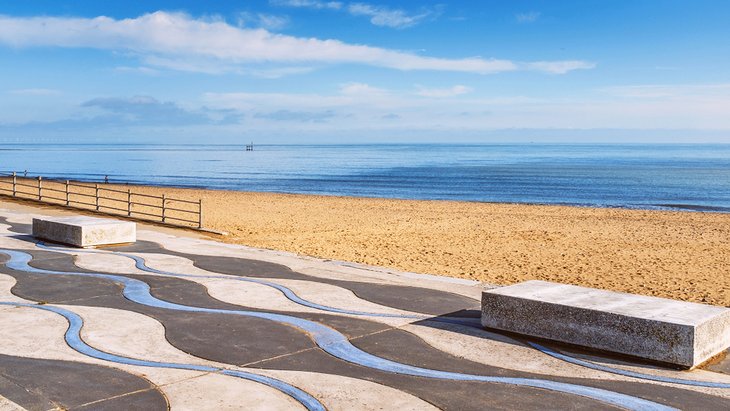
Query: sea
645, 176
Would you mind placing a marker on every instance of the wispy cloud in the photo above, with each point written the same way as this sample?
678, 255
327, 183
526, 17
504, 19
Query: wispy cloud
362, 89
35, 92
262, 20
560, 67
387, 17
443, 92
177, 41
146, 110
528, 17
370, 111
383, 16
298, 116
310, 4
670, 91
365, 106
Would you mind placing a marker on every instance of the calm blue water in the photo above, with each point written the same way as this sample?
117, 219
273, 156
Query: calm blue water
636, 176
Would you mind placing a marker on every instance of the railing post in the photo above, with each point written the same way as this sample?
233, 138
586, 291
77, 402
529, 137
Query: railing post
67, 201
129, 203
163, 208
15, 182
96, 189
40, 197
200, 213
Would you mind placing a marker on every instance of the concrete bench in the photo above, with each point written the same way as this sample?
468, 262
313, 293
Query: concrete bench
658, 329
84, 231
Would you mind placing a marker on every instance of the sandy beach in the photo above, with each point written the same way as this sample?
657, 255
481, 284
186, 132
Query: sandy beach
681, 255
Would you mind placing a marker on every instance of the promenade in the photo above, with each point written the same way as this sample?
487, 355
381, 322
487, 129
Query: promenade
187, 323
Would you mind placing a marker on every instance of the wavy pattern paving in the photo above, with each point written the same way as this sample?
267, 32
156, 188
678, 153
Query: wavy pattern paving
327, 339
383, 337
415, 299
141, 264
73, 338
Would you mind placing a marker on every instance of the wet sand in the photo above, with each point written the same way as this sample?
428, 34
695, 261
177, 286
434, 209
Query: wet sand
681, 255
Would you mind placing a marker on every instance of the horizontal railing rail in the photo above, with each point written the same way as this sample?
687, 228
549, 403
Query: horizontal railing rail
100, 197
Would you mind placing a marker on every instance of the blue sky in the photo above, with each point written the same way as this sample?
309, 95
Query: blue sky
311, 71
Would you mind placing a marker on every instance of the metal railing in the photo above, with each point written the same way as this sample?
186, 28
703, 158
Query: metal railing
104, 198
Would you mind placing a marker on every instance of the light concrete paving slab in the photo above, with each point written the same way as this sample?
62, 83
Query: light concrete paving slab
7, 405
659, 329
696, 374
129, 334
220, 392
39, 334
340, 393
105, 262
251, 295
6, 284
338, 297
84, 231
35, 333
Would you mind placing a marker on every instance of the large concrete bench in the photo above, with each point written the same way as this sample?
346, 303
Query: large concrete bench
84, 231
668, 331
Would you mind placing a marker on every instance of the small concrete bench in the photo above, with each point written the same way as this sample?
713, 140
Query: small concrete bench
658, 329
84, 231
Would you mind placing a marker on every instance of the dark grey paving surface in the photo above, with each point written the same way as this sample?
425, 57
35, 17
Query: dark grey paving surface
51, 384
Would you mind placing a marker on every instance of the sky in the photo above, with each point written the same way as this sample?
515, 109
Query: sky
318, 71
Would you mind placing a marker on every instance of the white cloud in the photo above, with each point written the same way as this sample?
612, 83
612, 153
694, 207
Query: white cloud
560, 67
35, 92
362, 106
379, 15
298, 116
309, 4
370, 111
361, 89
177, 41
266, 21
384, 16
443, 92
528, 17
670, 91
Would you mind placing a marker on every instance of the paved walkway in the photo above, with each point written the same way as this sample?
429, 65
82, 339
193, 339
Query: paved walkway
193, 324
